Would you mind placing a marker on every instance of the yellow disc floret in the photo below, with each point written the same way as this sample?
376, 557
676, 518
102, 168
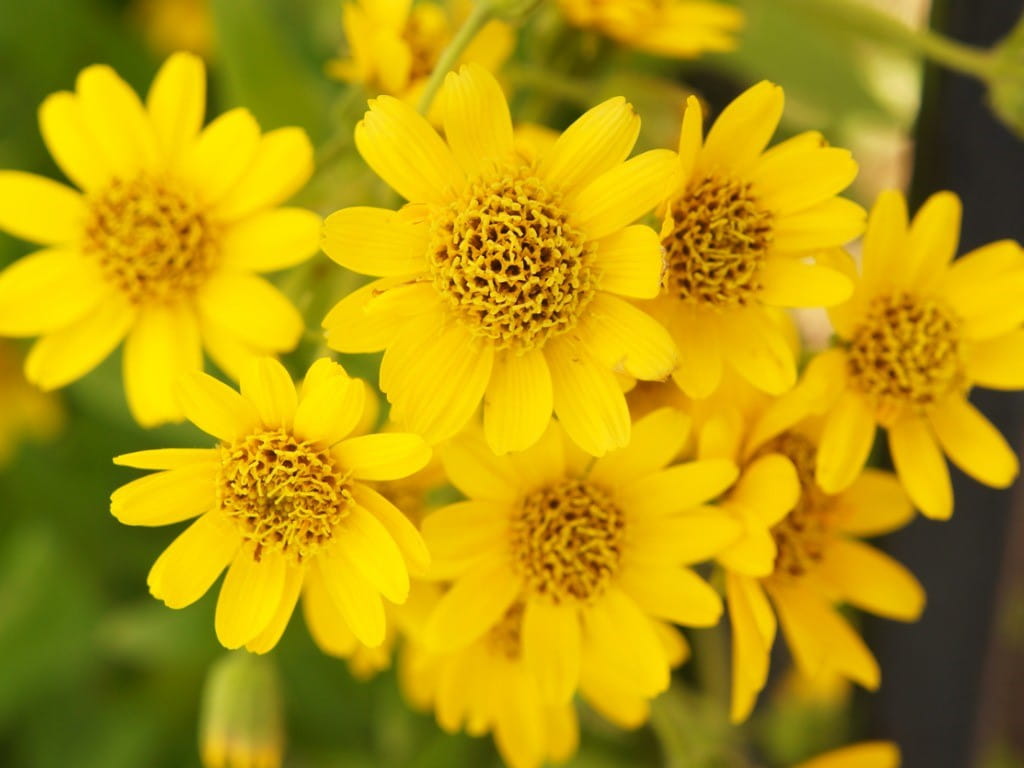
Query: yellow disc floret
567, 540
906, 353
151, 239
283, 492
509, 262
717, 243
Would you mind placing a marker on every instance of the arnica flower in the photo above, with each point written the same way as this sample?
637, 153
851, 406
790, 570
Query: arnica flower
800, 552
394, 45
499, 278
740, 233
161, 245
596, 551
283, 504
675, 28
919, 331
868, 754
26, 412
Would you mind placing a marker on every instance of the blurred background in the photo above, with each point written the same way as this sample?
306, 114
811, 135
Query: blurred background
96, 674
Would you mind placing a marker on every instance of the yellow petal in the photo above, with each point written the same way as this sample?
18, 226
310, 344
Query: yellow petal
404, 150
227, 351
697, 337
48, 290
518, 401
327, 626
623, 194
188, 567
598, 141
675, 594
921, 467
476, 471
933, 238
756, 347
551, 648
845, 443
265, 641
874, 505
177, 101
477, 122
871, 754
357, 601
474, 604
830, 223
871, 580
40, 210
368, 546
271, 241
630, 262
252, 309
387, 456
281, 165
216, 161
790, 283
796, 181
769, 486
679, 488
657, 439
332, 404
623, 638
216, 408
168, 458
973, 443
679, 539
627, 339
351, 329
375, 241
753, 634
461, 534
691, 136
70, 353
163, 345
996, 363
166, 497
744, 128
267, 385
885, 241
68, 139
249, 596
117, 121
398, 526
588, 401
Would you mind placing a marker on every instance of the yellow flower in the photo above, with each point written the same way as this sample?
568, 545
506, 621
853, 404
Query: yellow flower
176, 25
677, 28
283, 503
916, 335
393, 45
161, 245
868, 754
799, 553
26, 412
499, 276
739, 233
597, 552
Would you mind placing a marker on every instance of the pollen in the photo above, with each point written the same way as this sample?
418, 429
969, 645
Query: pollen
152, 240
283, 493
802, 536
717, 244
905, 353
567, 540
508, 261
506, 637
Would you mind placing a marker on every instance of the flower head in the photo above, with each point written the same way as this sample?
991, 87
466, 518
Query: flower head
597, 555
918, 333
282, 503
677, 28
160, 246
740, 233
498, 280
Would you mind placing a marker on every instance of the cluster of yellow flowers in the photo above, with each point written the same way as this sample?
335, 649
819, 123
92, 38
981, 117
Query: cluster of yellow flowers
616, 402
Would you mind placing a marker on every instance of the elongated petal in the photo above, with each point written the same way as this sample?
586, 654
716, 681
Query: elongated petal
872, 581
473, 605
681, 487
265, 641
267, 385
357, 601
48, 290
623, 194
845, 443
795, 181
615, 622
398, 526
698, 339
331, 407
885, 244
769, 486
375, 241
282, 163
68, 139
870, 754
518, 401
934, 237
995, 363
626, 338
368, 546
188, 567
675, 594
477, 122
249, 596
166, 497
753, 634
874, 505
168, 458
386, 456
656, 440
116, 119
551, 648
630, 262
216, 408
326, 624
792, 283
744, 128
476, 471
176, 102
350, 328
271, 241
40, 210
756, 347
252, 309
462, 533
921, 467
831, 223
215, 162
680, 539
973, 443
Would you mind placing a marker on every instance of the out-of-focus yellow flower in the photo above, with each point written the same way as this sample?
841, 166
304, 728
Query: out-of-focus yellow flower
919, 331
869, 754
800, 553
241, 723
284, 505
676, 28
740, 232
176, 25
161, 246
26, 412
393, 45
598, 553
499, 279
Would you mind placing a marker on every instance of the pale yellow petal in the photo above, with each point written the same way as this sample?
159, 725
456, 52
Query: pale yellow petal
845, 442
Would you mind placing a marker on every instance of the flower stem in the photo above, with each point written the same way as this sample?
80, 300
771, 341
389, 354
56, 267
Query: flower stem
482, 12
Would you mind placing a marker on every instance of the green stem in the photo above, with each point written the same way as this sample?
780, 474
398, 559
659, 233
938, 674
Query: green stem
478, 17
883, 28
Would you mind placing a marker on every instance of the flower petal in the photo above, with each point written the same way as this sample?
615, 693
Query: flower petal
756, 347
787, 282
551, 648
845, 444
875, 504
281, 165
973, 443
933, 238
474, 604
67, 138
476, 471
625, 338
271, 241
477, 123
368, 546
871, 580
386, 456
350, 328
168, 458
166, 497
996, 363
518, 401
265, 641
216, 161
598, 141
326, 624
252, 309
332, 404
216, 408
375, 241
176, 102
753, 634
268, 386
921, 467
40, 210
117, 121
744, 128
398, 526
48, 290
357, 601
679, 488
657, 438
186, 570
249, 596
672, 593
791, 182
630, 262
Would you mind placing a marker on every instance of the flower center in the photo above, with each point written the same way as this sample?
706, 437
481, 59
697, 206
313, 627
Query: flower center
509, 262
505, 637
906, 352
719, 239
802, 535
151, 239
567, 540
282, 492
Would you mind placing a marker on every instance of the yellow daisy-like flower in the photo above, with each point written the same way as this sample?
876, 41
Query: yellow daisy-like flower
800, 552
394, 45
161, 245
283, 503
597, 552
739, 235
26, 412
676, 28
868, 754
499, 277
917, 334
